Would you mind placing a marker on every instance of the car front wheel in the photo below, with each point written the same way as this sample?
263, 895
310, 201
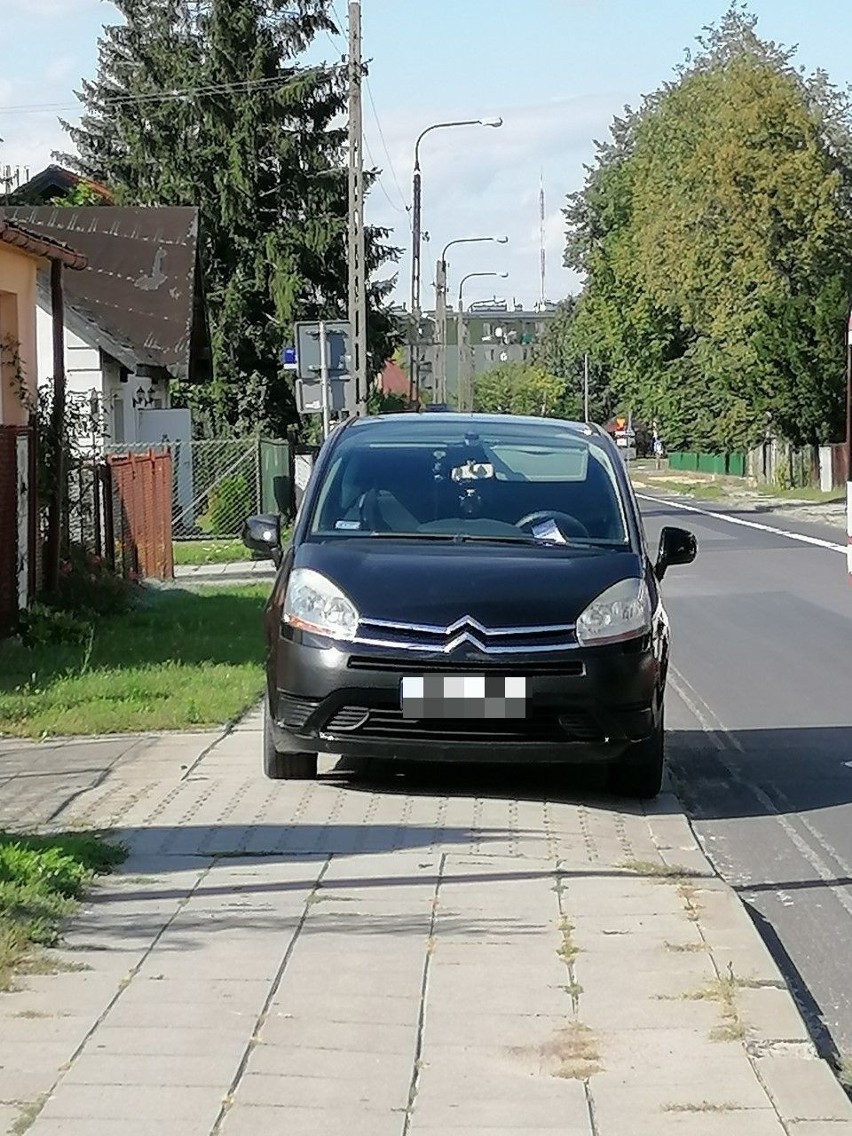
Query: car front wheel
640, 772
284, 766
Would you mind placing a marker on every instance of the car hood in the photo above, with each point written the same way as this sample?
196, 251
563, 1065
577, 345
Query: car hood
438, 584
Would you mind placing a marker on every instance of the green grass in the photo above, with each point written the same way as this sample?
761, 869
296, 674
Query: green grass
816, 496
215, 551
41, 878
209, 551
180, 660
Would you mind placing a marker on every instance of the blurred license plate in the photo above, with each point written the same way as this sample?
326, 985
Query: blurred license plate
464, 696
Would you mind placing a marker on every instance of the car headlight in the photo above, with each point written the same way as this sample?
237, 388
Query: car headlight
313, 603
621, 612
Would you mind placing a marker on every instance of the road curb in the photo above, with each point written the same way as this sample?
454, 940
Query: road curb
801, 1084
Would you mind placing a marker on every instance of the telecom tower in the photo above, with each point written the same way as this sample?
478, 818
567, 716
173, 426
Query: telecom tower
543, 235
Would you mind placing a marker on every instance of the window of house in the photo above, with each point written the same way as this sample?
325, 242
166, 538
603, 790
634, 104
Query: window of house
118, 421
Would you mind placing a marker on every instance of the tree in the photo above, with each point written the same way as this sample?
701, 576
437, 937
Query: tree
715, 230
81, 195
523, 388
562, 353
252, 138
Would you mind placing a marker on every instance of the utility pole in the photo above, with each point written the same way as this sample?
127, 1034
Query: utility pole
441, 329
357, 241
416, 250
586, 388
57, 424
326, 400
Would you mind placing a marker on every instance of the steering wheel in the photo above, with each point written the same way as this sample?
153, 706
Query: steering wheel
568, 525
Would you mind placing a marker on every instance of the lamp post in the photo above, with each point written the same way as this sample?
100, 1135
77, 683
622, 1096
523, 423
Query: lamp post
441, 311
417, 234
465, 377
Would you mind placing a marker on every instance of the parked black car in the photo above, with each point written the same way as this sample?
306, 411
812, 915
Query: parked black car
468, 588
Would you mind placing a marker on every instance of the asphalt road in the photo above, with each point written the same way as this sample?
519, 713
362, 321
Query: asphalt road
760, 714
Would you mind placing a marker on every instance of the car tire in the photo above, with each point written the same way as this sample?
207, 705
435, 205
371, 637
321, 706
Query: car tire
639, 774
285, 766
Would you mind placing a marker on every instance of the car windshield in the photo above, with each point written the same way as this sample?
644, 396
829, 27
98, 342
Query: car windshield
467, 479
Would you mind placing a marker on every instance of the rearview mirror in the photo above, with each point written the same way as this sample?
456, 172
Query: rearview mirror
677, 546
262, 534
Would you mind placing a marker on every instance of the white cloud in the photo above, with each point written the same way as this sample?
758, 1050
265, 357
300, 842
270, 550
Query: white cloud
484, 182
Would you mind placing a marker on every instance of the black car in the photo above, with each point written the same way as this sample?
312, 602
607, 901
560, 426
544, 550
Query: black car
468, 588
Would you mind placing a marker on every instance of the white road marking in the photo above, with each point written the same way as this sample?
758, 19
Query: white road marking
800, 537
723, 740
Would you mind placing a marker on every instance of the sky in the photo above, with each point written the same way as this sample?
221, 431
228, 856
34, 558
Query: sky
556, 71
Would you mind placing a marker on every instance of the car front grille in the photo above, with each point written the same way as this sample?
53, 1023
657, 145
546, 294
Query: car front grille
543, 724
419, 639
294, 711
569, 668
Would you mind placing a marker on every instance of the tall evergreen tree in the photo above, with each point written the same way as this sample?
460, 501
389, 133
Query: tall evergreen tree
209, 104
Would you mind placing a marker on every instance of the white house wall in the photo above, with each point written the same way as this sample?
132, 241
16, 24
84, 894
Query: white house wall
82, 361
89, 369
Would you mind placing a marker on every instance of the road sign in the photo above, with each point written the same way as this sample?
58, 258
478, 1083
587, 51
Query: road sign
288, 359
309, 395
339, 340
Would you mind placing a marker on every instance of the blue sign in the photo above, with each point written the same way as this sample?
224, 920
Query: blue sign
288, 356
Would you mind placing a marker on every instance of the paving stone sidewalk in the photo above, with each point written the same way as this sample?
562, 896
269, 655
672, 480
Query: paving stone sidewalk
458, 955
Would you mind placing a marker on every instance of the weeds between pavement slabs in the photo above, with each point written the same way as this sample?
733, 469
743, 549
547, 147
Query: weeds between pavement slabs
41, 878
177, 660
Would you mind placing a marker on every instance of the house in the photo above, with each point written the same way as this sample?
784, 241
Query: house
57, 182
393, 380
495, 332
23, 253
135, 319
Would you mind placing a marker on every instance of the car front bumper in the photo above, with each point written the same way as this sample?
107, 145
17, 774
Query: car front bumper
582, 706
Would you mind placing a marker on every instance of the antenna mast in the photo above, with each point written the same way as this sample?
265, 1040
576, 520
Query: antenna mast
543, 297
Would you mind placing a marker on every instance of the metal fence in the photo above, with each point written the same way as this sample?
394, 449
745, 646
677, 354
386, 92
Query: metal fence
217, 484
86, 509
140, 519
18, 523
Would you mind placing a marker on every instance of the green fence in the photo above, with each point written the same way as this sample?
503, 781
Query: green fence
690, 461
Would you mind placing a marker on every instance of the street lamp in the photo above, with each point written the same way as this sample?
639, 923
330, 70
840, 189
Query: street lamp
416, 231
466, 379
441, 311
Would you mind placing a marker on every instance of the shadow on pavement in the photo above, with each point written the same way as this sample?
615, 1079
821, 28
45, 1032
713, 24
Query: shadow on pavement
563, 784
798, 769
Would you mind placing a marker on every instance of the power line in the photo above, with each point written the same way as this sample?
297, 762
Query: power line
379, 181
270, 83
387, 151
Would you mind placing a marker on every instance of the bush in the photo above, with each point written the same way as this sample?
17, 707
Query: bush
87, 587
43, 626
229, 505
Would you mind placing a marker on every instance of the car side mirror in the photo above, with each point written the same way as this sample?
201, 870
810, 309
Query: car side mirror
677, 546
262, 534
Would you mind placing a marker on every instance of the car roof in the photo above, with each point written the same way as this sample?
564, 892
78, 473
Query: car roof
409, 424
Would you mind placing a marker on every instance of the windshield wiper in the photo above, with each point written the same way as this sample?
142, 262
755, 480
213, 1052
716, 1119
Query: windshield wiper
471, 538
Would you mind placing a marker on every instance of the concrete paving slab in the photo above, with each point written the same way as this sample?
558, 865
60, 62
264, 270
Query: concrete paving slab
174, 1041
153, 1103
803, 1089
509, 1115
355, 1036
330, 1064
249, 1120
199, 1070
820, 1128
126, 1126
489, 891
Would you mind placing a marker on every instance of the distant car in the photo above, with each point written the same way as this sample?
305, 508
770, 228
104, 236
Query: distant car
468, 588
